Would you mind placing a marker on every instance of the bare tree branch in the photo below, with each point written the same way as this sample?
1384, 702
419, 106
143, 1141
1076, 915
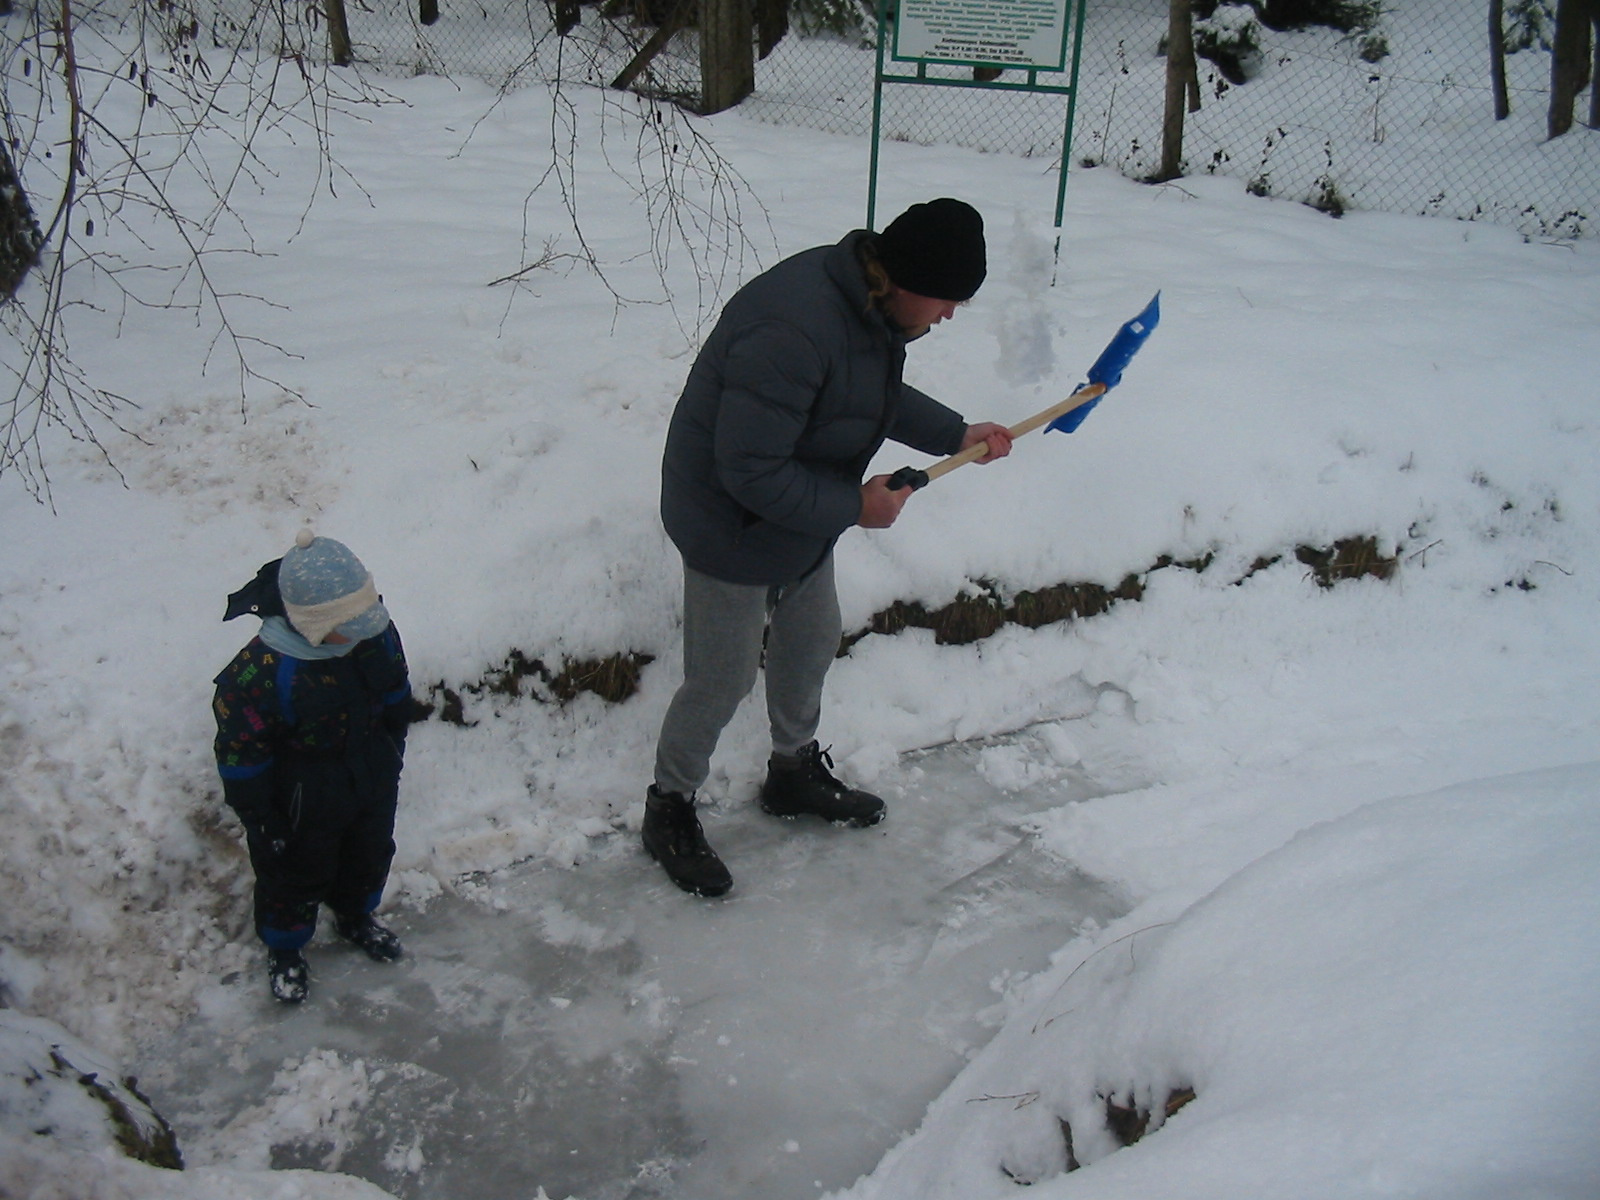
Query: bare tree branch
697, 208
144, 121
162, 121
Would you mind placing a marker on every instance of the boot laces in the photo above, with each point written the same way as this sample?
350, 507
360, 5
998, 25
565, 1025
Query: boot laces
688, 839
816, 761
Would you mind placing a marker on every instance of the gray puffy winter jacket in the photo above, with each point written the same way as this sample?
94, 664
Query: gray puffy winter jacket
790, 397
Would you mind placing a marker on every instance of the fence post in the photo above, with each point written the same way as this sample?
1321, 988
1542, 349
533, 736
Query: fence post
1569, 61
675, 20
1183, 84
338, 33
1497, 59
727, 55
1594, 67
772, 22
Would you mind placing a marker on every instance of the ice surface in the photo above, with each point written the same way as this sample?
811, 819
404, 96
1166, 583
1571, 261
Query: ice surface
597, 1033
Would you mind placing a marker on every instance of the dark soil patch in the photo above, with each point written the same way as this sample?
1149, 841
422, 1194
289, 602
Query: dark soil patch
1128, 1122
966, 619
613, 678
1348, 558
971, 618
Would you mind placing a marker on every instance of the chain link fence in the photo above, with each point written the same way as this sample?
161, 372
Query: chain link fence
1398, 117
1395, 116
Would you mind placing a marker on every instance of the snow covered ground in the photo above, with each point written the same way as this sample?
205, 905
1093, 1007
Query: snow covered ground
1342, 839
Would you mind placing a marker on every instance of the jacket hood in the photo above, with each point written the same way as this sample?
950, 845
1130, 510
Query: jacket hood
844, 270
260, 597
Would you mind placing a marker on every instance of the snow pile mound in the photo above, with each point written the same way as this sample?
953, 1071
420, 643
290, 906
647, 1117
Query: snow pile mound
72, 1126
1394, 999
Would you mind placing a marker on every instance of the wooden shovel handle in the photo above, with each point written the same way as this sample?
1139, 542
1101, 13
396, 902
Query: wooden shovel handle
1091, 391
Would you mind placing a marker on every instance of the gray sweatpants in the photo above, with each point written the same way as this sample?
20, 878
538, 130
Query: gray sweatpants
723, 625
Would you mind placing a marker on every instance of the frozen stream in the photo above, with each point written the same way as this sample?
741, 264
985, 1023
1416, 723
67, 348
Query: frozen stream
597, 1033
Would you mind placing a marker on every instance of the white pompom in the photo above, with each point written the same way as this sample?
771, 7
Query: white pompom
304, 538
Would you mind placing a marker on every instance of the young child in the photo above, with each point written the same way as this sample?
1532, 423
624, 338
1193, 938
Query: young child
311, 733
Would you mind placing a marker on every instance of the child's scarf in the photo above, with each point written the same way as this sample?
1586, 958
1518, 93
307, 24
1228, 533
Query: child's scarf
285, 639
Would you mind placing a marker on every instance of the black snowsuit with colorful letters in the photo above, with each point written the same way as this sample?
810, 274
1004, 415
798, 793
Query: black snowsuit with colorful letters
310, 753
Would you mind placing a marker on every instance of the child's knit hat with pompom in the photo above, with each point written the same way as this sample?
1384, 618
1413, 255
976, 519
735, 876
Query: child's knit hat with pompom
326, 589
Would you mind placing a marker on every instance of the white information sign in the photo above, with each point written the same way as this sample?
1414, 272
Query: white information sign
1013, 33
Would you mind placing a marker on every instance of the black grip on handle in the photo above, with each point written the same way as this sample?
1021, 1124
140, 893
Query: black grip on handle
909, 477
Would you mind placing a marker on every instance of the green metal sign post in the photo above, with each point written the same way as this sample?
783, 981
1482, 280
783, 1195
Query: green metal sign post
1033, 36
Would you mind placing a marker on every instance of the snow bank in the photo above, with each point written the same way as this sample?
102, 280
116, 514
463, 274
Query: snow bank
1399, 1001
73, 1126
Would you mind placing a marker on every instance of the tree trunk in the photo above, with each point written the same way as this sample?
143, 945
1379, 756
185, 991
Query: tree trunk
727, 54
772, 22
1497, 59
20, 238
1569, 63
1594, 67
338, 33
1183, 84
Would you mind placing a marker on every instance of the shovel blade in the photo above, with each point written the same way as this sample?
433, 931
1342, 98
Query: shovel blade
1114, 358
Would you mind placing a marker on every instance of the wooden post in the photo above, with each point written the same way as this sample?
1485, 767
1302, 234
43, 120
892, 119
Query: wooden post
1183, 84
655, 45
1497, 59
338, 33
772, 22
727, 54
1594, 67
1569, 62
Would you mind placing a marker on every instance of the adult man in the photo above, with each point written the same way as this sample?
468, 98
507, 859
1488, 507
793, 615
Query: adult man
791, 396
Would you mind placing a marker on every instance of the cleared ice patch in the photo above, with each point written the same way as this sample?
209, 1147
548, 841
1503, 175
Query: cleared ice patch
599, 1034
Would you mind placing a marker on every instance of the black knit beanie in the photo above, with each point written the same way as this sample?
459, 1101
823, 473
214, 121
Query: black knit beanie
936, 250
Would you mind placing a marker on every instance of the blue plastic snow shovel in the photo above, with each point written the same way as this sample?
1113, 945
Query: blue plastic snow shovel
1065, 415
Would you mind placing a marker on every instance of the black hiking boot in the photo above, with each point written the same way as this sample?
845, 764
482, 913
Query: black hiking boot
808, 788
379, 943
289, 975
672, 835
